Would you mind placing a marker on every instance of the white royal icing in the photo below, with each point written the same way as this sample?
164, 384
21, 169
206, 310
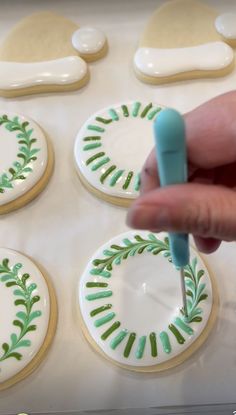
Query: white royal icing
10, 148
125, 142
226, 25
88, 40
166, 62
146, 298
10, 312
64, 71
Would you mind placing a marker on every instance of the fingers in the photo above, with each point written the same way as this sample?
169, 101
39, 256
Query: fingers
211, 138
203, 210
207, 245
211, 132
149, 175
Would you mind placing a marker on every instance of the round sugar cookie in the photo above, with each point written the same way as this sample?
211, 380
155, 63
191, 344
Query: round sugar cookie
180, 42
26, 160
111, 147
131, 304
42, 53
28, 316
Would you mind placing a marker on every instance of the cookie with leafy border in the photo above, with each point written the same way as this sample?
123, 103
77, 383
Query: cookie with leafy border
26, 161
28, 316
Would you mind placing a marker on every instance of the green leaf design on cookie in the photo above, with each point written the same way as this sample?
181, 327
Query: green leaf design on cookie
26, 154
25, 298
196, 293
130, 248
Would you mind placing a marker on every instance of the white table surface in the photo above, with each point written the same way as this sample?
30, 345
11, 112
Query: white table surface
64, 226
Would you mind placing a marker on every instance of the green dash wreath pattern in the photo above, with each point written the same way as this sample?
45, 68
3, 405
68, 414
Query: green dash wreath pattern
24, 299
99, 159
113, 256
27, 152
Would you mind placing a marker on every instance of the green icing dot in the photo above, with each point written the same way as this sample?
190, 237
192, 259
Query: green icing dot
113, 114
91, 146
141, 347
153, 342
165, 342
129, 344
103, 320
98, 295
100, 163
118, 339
136, 107
145, 111
95, 128
116, 177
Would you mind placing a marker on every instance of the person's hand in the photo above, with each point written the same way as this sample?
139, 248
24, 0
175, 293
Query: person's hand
206, 205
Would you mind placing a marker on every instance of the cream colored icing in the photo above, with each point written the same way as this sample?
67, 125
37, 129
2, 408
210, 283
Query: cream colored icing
166, 62
9, 150
9, 312
226, 25
64, 71
146, 298
88, 40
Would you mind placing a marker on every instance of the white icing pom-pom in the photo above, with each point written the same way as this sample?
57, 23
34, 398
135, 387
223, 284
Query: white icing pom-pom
226, 25
88, 40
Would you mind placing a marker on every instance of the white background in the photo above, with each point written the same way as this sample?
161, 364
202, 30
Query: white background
65, 225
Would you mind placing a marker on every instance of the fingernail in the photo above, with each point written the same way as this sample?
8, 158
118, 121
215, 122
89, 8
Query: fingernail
148, 218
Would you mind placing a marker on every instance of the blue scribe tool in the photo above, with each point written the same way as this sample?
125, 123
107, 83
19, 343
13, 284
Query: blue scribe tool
169, 133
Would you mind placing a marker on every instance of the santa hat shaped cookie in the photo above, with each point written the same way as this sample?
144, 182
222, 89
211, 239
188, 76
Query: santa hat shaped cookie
181, 41
46, 52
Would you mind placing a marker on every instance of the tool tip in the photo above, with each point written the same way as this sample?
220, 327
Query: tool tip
170, 123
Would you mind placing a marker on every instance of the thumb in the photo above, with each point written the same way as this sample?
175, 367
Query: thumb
203, 210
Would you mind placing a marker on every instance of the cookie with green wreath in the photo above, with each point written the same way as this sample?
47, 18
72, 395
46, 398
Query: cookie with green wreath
110, 149
130, 303
26, 161
28, 316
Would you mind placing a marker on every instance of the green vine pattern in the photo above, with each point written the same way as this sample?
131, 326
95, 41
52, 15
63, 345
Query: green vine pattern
24, 298
195, 289
27, 152
117, 253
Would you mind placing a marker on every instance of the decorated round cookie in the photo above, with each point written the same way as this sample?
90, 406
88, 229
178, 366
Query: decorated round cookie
28, 316
26, 161
111, 147
131, 303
